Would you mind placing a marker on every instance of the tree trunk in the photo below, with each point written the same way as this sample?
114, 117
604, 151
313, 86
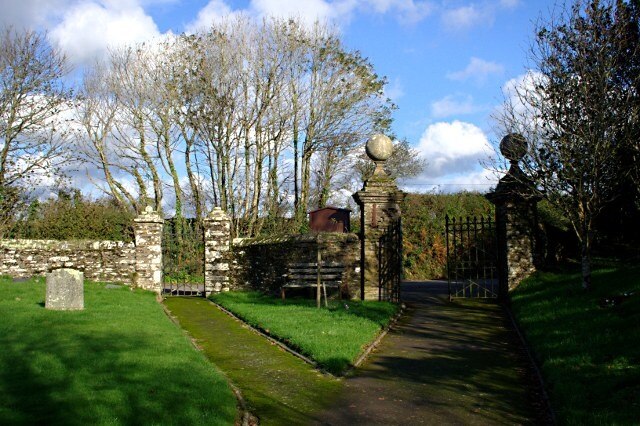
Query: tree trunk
586, 266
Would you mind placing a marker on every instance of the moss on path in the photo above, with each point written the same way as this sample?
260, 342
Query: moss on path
278, 387
443, 363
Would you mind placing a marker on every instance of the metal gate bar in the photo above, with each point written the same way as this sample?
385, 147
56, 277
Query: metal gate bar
471, 257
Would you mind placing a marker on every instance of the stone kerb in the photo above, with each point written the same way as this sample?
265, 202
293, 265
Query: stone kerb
65, 290
217, 239
148, 237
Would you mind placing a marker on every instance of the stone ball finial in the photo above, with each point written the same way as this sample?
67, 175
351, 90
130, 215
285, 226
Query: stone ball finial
379, 147
148, 210
513, 147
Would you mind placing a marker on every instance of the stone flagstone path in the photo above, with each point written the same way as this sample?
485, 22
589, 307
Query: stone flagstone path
443, 363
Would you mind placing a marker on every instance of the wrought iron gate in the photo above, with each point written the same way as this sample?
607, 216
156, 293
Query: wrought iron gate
390, 261
472, 257
183, 259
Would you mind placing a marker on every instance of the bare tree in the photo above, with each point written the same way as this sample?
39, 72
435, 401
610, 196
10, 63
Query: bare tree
97, 108
32, 138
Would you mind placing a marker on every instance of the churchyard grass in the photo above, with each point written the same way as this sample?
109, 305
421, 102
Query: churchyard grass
334, 337
119, 361
587, 342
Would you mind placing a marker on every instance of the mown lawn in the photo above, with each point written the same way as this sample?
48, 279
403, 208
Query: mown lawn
589, 349
119, 361
334, 337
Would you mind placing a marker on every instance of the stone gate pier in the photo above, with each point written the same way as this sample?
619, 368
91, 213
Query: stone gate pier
515, 199
380, 227
148, 265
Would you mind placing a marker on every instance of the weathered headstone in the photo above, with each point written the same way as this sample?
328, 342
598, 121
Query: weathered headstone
65, 290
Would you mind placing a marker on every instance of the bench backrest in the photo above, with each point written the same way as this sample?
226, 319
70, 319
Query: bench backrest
329, 271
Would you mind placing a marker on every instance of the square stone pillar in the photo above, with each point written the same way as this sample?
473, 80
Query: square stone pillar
148, 237
217, 240
379, 203
516, 201
380, 222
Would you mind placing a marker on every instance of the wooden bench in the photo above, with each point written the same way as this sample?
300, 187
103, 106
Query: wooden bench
309, 275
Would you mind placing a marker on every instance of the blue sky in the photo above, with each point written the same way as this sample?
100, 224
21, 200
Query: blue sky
446, 61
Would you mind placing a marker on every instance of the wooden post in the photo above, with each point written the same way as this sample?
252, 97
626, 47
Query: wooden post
318, 294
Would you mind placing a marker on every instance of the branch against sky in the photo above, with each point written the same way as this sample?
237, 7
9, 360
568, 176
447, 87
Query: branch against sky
579, 110
32, 98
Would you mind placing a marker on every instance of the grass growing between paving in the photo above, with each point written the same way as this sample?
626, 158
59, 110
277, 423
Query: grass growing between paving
334, 337
278, 387
586, 342
119, 361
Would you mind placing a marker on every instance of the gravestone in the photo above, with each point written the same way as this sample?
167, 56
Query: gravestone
65, 290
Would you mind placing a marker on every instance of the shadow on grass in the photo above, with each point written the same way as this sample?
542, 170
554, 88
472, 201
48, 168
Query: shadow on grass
120, 361
58, 381
588, 350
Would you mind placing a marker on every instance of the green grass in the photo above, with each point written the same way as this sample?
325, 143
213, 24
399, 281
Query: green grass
590, 355
119, 361
279, 388
333, 337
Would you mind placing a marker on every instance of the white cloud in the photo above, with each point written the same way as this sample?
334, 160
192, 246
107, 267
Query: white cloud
465, 17
513, 92
483, 13
309, 11
31, 13
214, 11
510, 4
452, 105
481, 180
406, 10
478, 70
453, 149
88, 29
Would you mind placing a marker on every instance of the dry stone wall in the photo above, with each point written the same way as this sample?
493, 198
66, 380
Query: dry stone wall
138, 263
112, 261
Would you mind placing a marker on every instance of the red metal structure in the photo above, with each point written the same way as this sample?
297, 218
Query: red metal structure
330, 219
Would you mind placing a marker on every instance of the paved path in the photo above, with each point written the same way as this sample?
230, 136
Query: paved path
444, 363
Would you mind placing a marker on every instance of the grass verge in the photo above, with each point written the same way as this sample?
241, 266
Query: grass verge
586, 342
333, 336
119, 361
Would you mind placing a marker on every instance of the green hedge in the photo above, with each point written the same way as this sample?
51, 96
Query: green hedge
423, 225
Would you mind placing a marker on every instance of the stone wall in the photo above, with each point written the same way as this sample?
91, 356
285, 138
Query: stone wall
139, 263
112, 261
262, 263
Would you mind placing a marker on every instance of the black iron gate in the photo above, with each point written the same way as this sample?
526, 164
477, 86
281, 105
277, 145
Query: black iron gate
390, 261
472, 259
183, 258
